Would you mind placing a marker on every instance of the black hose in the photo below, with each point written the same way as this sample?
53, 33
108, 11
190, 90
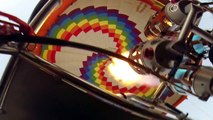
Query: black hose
53, 41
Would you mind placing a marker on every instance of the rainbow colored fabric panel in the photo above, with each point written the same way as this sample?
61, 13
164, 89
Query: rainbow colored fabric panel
109, 21
94, 72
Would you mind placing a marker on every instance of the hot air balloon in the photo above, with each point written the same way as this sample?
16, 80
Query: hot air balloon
114, 25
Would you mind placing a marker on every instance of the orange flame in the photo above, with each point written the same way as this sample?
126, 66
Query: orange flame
124, 74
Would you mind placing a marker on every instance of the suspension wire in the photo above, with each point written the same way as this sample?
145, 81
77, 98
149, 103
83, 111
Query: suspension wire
206, 3
205, 6
53, 41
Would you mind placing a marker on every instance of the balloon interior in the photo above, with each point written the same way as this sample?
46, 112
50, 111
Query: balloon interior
144, 31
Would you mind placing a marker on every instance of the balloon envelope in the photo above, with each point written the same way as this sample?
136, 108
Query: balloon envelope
115, 25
